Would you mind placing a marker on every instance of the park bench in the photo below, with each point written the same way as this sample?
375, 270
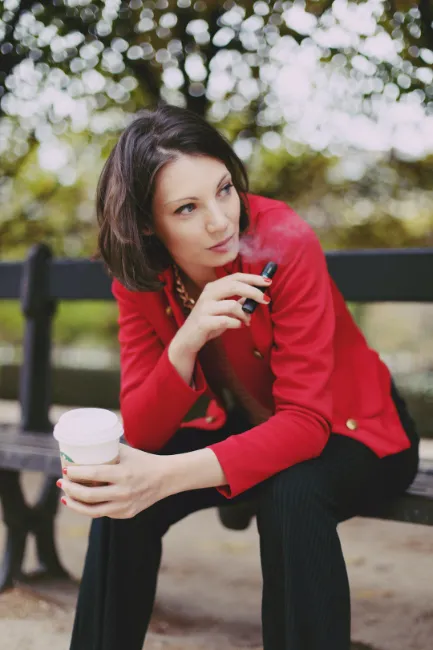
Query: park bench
41, 282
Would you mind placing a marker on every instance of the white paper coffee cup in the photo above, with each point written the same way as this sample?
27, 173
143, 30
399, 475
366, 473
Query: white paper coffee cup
88, 436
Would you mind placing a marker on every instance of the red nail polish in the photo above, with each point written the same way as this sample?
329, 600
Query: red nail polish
65, 470
59, 483
268, 280
267, 300
63, 500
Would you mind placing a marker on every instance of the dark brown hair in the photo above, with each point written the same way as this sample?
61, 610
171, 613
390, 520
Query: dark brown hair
127, 184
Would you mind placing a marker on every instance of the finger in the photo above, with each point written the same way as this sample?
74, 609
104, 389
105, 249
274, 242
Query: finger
241, 314
227, 322
251, 278
230, 308
223, 287
247, 291
92, 494
234, 288
90, 473
98, 510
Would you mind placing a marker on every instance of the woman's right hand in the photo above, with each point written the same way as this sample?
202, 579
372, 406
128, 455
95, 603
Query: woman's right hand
216, 310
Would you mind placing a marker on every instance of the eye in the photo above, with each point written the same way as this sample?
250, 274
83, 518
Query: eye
226, 189
183, 207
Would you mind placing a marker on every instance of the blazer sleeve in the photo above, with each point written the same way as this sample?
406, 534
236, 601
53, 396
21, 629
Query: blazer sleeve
154, 398
302, 363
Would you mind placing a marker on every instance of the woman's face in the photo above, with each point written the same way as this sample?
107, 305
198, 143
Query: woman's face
195, 208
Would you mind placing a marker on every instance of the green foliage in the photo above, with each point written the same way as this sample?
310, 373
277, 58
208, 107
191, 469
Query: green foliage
384, 231
92, 324
130, 54
11, 323
86, 323
289, 177
37, 207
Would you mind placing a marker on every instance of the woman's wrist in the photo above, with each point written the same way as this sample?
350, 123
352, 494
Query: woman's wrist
193, 471
187, 344
182, 358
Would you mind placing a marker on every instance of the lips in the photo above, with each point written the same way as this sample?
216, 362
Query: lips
221, 243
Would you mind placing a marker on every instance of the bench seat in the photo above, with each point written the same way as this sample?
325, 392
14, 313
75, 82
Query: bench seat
36, 452
40, 453
415, 506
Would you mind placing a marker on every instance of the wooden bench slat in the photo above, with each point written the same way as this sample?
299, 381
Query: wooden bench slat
410, 508
39, 452
36, 452
10, 280
415, 506
366, 275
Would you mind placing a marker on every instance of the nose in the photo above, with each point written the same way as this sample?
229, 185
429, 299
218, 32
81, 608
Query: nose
216, 220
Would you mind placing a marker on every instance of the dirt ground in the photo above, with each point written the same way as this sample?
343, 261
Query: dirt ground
210, 587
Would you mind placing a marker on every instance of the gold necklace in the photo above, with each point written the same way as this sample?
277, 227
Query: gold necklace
186, 300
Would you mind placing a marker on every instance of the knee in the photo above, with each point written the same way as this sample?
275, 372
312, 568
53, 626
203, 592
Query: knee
149, 523
291, 494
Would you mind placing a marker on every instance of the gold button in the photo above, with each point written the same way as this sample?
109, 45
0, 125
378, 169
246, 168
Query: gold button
258, 354
168, 310
352, 424
210, 418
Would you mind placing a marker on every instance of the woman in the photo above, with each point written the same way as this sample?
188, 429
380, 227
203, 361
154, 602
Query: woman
303, 416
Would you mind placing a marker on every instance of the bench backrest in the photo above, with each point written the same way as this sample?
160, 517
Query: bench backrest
384, 275
377, 275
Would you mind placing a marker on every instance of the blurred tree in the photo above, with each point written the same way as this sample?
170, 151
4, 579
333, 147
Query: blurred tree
72, 72
174, 49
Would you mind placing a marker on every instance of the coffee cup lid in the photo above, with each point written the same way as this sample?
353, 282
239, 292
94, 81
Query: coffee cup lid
88, 426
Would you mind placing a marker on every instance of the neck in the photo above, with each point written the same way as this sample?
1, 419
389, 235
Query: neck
195, 281
199, 277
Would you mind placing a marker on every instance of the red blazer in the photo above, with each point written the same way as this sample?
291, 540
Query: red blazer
303, 357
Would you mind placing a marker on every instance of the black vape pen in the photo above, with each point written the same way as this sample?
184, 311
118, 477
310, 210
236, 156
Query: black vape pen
268, 272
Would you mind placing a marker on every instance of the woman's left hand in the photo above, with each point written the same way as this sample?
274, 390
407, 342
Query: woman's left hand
137, 482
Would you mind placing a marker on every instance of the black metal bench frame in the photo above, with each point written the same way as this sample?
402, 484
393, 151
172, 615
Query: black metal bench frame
41, 282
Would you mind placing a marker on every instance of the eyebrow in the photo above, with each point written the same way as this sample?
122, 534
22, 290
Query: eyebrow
195, 198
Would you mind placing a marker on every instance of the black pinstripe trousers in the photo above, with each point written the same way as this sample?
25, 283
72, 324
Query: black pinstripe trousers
306, 600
